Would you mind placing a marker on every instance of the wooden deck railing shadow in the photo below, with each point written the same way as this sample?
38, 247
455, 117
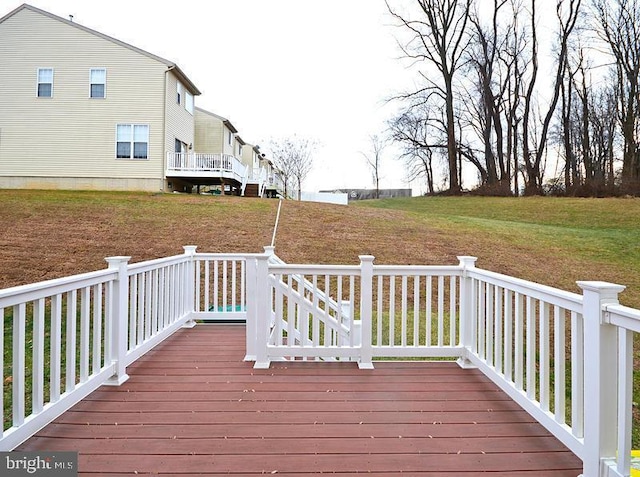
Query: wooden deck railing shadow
566, 358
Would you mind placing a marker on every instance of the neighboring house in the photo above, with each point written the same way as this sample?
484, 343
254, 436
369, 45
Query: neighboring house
275, 186
216, 159
223, 158
82, 110
251, 156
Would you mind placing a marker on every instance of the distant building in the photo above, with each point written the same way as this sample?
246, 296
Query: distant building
363, 194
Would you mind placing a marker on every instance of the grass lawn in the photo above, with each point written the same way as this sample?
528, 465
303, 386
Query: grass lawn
555, 241
48, 234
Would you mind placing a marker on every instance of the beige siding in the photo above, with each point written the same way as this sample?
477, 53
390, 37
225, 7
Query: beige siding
208, 134
229, 148
71, 135
249, 156
180, 123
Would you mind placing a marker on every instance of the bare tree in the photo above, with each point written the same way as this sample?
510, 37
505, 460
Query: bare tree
293, 156
619, 27
490, 83
374, 159
533, 152
416, 132
438, 37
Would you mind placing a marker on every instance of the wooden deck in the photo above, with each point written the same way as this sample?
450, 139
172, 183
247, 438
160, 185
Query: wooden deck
192, 406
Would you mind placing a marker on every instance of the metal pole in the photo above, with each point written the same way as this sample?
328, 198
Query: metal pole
275, 227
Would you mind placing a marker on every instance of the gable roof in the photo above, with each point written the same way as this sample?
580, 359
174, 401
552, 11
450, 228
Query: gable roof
171, 66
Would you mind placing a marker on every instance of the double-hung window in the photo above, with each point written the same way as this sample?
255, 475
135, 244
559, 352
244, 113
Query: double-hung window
98, 81
45, 83
179, 92
132, 141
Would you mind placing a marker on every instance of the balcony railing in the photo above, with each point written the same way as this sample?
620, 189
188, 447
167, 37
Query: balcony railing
194, 164
275, 183
566, 358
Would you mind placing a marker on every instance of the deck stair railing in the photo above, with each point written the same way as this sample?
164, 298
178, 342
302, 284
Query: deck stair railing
323, 312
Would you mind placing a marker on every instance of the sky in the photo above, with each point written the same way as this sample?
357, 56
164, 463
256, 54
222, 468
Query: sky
319, 69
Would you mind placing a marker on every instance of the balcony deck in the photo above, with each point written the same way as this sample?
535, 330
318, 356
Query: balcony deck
192, 406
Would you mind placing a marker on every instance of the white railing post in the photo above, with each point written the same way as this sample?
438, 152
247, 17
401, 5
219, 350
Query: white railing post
366, 311
190, 284
119, 320
251, 331
467, 313
600, 379
263, 312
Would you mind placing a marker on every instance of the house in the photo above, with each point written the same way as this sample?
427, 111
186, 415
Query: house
224, 159
82, 110
218, 160
273, 181
275, 186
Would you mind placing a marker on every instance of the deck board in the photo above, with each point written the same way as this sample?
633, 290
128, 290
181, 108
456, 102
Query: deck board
193, 407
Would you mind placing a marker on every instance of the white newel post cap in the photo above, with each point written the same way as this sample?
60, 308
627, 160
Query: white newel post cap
269, 250
114, 262
467, 261
608, 291
190, 249
366, 258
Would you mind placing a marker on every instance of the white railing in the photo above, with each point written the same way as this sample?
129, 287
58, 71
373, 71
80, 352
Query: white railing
221, 290
275, 182
62, 326
552, 351
259, 175
209, 164
83, 331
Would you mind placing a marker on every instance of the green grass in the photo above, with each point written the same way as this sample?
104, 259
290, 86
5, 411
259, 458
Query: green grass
581, 239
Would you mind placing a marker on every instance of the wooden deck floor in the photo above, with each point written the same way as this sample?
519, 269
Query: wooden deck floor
192, 406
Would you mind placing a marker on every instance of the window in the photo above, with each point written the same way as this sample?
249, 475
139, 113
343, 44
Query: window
98, 80
189, 101
230, 136
45, 82
132, 141
239, 149
179, 92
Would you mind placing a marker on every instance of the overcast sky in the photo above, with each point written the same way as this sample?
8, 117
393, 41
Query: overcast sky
315, 68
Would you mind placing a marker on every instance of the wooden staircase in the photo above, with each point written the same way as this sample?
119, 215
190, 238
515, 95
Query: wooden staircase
251, 190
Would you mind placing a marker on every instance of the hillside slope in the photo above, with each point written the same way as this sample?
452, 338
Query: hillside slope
52, 234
